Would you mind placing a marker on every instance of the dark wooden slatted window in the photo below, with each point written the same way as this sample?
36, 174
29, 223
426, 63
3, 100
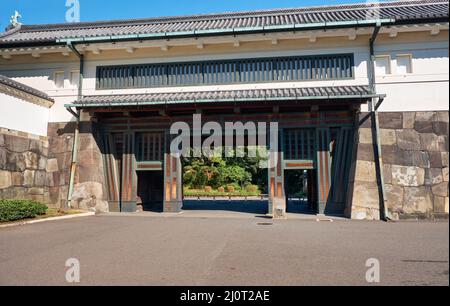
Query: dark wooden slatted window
298, 68
150, 146
299, 144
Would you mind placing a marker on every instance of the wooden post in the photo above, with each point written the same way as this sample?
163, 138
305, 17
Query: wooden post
129, 176
323, 168
112, 173
277, 197
173, 184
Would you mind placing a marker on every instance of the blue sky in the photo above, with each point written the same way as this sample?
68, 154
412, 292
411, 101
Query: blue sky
54, 11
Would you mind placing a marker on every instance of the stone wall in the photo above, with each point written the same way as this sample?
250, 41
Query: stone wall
415, 155
23, 164
38, 168
89, 177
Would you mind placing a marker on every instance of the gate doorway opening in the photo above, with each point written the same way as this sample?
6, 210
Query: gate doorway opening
230, 185
150, 191
300, 189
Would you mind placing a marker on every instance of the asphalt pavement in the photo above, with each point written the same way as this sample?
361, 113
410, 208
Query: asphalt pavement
201, 250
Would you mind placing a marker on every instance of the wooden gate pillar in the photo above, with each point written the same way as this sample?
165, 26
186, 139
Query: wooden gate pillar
173, 184
129, 176
277, 197
323, 168
112, 166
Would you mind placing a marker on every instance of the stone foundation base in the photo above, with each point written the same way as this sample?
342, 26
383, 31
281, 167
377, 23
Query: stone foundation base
38, 168
415, 153
173, 206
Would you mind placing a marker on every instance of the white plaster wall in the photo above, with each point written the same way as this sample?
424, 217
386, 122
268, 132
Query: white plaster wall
426, 88
361, 55
41, 76
20, 115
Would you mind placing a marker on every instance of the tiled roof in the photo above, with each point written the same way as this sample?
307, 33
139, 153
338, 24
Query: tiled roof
255, 95
400, 11
24, 88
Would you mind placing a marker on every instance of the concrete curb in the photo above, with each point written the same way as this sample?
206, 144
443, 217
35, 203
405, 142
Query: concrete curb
88, 214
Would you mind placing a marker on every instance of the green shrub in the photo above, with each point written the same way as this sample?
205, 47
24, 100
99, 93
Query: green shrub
12, 210
231, 189
251, 188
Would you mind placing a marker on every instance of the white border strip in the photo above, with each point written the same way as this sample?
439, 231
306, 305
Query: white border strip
88, 214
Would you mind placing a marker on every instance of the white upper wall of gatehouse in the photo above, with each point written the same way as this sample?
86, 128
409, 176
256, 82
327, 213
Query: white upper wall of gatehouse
411, 63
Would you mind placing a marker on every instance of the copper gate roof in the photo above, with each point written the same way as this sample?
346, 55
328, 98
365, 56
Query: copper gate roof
413, 11
248, 95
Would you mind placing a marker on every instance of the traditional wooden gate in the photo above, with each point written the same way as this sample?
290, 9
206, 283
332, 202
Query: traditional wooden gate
126, 153
327, 151
310, 141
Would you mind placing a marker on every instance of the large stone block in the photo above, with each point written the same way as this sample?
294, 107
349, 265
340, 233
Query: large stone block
429, 142
31, 160
443, 143
59, 178
391, 120
390, 154
433, 176
439, 204
419, 158
16, 144
5, 179
28, 178
88, 142
442, 116
425, 116
423, 126
42, 163
408, 176
35, 191
394, 197
90, 157
36, 146
17, 178
90, 173
49, 182
387, 173
87, 194
61, 144
3, 158
14, 193
435, 159
2, 140
409, 118
440, 128
366, 152
365, 135
365, 194
445, 174
64, 160
388, 137
408, 140
444, 159
54, 195
39, 178
52, 165
364, 213
15, 162
417, 200
365, 171
395, 156
441, 189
